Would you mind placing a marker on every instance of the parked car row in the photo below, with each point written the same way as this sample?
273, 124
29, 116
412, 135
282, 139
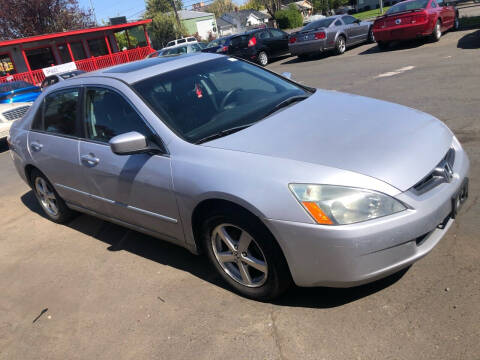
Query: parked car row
406, 20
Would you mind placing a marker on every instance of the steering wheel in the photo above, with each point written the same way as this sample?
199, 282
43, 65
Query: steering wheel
228, 96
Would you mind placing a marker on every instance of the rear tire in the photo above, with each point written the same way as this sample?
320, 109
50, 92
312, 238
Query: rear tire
340, 45
437, 31
262, 58
269, 278
382, 45
51, 203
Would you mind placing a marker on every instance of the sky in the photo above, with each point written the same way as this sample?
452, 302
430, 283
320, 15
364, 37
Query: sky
132, 9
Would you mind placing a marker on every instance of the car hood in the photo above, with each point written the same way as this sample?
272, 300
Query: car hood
390, 142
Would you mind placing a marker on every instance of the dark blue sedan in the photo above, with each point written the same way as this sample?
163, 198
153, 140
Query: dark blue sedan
18, 91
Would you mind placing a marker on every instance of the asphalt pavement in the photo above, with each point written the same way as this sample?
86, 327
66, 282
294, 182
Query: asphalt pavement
94, 290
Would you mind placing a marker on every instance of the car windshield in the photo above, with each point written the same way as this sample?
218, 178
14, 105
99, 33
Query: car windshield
318, 24
210, 97
407, 5
217, 42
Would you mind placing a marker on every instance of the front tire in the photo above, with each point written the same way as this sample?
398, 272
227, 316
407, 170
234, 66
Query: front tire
371, 37
340, 45
437, 31
51, 203
245, 254
262, 58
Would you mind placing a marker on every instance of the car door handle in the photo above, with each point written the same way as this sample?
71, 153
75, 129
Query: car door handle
35, 146
89, 160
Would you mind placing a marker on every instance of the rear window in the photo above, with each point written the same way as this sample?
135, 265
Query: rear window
191, 39
318, 24
407, 5
181, 41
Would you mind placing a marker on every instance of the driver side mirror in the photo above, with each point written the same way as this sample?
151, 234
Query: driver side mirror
129, 143
357, 21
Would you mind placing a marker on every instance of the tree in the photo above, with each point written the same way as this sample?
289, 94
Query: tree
163, 28
220, 7
290, 18
272, 6
161, 6
253, 4
22, 18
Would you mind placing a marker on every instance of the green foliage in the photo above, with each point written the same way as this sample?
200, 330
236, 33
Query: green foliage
290, 18
122, 40
220, 7
160, 6
253, 4
370, 14
164, 28
323, 6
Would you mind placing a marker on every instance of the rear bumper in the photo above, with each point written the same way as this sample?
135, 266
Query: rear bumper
405, 32
351, 255
307, 47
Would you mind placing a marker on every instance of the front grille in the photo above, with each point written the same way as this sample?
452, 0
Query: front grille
16, 114
443, 173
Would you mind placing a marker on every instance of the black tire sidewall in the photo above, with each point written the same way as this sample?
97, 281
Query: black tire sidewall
64, 213
278, 278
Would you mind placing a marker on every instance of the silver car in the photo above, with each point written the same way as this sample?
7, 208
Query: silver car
332, 33
228, 159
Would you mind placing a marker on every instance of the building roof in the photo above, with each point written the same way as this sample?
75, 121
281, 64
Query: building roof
189, 14
73, 32
223, 24
242, 16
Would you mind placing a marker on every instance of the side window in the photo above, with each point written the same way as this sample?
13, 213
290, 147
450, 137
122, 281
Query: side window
338, 23
108, 114
264, 35
37, 123
61, 112
277, 33
348, 20
440, 3
433, 4
194, 48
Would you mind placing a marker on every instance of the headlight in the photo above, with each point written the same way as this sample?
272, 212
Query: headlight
339, 205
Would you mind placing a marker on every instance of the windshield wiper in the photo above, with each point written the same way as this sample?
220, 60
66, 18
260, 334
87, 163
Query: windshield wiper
222, 133
287, 102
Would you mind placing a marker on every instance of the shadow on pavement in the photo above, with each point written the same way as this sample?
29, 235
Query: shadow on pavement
395, 46
119, 238
470, 41
3, 145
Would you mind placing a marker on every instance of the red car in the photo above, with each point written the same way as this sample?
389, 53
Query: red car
415, 19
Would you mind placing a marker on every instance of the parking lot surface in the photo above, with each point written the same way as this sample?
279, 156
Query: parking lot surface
94, 290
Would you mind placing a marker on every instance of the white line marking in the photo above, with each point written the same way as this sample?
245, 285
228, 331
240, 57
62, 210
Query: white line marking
395, 72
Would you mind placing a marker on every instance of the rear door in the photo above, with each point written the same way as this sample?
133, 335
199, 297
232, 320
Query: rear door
281, 41
265, 40
53, 144
136, 189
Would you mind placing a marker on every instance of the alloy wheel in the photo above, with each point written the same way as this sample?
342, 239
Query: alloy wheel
438, 31
341, 45
239, 255
47, 197
262, 58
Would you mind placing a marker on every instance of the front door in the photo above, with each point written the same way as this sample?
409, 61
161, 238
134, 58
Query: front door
136, 189
281, 41
53, 144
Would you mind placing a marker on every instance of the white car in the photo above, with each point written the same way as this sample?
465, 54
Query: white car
9, 113
176, 42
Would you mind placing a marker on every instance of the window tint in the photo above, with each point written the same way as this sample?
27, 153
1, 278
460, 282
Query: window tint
348, 20
37, 120
61, 110
338, 23
108, 114
171, 43
408, 5
433, 5
238, 41
277, 33
180, 41
194, 48
264, 35
318, 24
440, 3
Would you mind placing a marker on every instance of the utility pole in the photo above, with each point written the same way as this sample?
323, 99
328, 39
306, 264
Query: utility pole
381, 6
172, 2
94, 14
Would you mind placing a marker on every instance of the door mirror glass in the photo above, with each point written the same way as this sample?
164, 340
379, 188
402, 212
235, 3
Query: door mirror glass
287, 75
129, 143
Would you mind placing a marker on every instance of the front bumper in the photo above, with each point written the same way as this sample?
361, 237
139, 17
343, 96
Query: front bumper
350, 255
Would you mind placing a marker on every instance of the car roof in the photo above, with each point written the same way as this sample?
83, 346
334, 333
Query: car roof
142, 69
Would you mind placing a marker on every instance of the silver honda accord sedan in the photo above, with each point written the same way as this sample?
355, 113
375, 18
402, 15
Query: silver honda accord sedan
274, 181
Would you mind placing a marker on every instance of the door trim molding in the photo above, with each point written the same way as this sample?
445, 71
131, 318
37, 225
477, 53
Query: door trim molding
113, 202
